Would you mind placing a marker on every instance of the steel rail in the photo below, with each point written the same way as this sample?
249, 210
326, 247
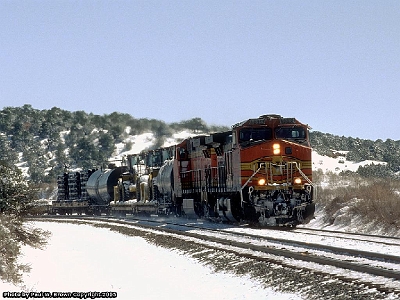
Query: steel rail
352, 235
322, 247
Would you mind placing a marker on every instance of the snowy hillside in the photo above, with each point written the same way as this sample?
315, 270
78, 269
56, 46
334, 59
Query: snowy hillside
339, 163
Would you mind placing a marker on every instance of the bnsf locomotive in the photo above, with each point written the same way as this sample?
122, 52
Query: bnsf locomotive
258, 172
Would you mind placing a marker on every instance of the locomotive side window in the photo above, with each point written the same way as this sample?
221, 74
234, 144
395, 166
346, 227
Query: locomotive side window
182, 154
291, 133
254, 135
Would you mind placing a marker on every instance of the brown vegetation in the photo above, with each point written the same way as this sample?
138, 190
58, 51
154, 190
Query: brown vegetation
370, 201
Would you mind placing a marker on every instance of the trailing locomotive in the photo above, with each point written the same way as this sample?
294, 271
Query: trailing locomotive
258, 172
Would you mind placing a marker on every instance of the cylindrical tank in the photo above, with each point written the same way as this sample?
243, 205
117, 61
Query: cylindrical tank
164, 179
92, 187
100, 185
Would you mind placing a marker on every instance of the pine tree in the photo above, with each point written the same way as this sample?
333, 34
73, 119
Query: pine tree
16, 200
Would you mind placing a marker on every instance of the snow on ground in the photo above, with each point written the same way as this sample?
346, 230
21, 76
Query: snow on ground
339, 163
344, 220
347, 222
22, 165
81, 258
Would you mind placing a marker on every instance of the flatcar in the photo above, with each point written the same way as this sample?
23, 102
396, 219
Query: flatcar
259, 172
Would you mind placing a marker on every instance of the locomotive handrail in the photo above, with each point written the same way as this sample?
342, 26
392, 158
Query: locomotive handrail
251, 177
298, 168
304, 175
248, 180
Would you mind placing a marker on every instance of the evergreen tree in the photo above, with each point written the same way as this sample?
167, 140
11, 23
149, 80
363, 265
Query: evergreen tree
6, 152
16, 199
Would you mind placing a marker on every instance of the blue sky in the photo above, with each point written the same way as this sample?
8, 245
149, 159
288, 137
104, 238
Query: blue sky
332, 64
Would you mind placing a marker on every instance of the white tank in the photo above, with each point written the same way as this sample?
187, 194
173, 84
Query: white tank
165, 178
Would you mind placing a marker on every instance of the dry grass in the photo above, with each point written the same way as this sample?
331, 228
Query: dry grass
373, 201
379, 201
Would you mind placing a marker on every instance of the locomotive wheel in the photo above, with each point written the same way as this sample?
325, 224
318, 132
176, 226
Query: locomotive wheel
309, 213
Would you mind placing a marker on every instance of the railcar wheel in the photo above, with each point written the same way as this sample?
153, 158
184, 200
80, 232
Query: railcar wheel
206, 210
236, 208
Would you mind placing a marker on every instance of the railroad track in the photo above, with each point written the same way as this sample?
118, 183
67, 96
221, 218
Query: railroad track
362, 265
390, 241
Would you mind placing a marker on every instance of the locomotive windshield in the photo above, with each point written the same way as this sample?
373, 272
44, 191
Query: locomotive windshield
250, 135
296, 133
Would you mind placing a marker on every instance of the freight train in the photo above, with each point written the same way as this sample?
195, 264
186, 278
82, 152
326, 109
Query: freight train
259, 172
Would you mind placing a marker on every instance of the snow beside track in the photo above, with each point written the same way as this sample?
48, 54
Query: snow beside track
82, 258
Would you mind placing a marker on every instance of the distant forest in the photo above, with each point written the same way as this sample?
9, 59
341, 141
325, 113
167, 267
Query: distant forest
50, 140
47, 141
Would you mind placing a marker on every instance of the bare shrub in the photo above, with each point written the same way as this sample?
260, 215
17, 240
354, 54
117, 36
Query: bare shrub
372, 201
334, 200
379, 201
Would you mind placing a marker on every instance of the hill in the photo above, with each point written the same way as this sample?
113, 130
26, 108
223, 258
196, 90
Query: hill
359, 150
45, 142
354, 178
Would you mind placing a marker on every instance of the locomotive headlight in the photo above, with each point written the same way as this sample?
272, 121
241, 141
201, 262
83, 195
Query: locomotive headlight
297, 180
261, 181
276, 149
